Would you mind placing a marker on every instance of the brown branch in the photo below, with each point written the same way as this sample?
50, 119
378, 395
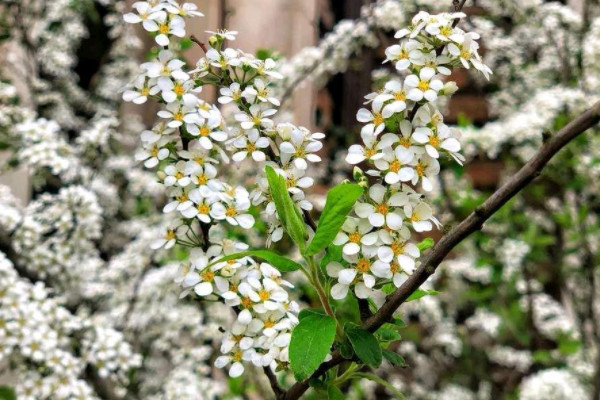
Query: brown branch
279, 393
199, 43
468, 226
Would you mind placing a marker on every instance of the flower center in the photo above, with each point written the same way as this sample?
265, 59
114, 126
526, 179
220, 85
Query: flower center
465, 54
251, 147
382, 209
370, 153
420, 168
208, 276
363, 266
246, 302
163, 28
178, 116
203, 209
378, 119
178, 89
354, 238
264, 294
145, 91
400, 96
290, 181
202, 179
394, 268
434, 141
179, 175
233, 287
154, 152
300, 152
446, 30
395, 166
256, 121
263, 93
398, 248
230, 211
182, 197
405, 142
204, 131
199, 160
269, 324
415, 217
170, 235
423, 85
237, 356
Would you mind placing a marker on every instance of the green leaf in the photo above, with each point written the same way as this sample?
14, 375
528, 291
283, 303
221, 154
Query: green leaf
365, 345
426, 244
7, 393
394, 358
289, 215
311, 341
417, 294
333, 253
310, 311
281, 263
334, 393
388, 334
340, 201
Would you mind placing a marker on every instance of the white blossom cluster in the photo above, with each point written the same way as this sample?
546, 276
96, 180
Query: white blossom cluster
403, 137
188, 146
552, 384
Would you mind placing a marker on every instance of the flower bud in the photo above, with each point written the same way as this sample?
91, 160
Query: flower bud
449, 88
358, 174
161, 175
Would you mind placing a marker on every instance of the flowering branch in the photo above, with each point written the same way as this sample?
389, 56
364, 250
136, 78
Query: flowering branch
468, 226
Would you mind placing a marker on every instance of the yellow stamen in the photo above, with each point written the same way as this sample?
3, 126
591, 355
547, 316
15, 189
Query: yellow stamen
230, 212
382, 209
354, 238
264, 294
363, 266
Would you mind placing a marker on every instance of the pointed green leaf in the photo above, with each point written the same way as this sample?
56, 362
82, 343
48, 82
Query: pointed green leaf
417, 294
365, 344
394, 358
311, 341
281, 263
340, 201
289, 215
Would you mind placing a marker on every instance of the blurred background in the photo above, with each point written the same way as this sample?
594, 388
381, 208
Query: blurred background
518, 316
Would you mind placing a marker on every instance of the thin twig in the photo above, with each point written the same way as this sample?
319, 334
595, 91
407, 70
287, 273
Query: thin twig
279, 393
199, 43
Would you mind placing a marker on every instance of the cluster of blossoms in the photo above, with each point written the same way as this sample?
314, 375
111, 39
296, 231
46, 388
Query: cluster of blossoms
189, 145
403, 138
37, 330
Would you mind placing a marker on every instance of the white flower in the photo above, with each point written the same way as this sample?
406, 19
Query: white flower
203, 175
354, 233
184, 10
266, 295
258, 117
223, 59
382, 212
154, 152
468, 55
172, 91
145, 12
259, 91
234, 212
208, 129
140, 91
180, 200
426, 169
403, 54
440, 139
393, 91
420, 216
203, 199
360, 273
176, 174
174, 113
423, 86
375, 120
166, 66
394, 165
251, 145
233, 93
224, 34
165, 27
401, 251
300, 148
372, 149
